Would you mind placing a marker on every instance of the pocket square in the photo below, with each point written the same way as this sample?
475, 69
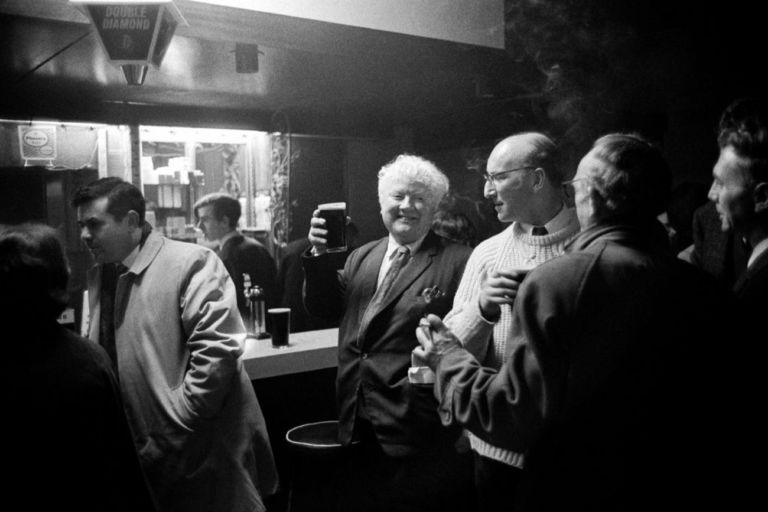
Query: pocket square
432, 293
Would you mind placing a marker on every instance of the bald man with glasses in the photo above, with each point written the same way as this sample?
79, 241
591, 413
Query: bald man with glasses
525, 186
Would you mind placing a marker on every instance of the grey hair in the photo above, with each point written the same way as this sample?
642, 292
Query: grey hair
635, 180
416, 168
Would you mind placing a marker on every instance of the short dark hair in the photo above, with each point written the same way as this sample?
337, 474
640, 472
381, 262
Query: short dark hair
33, 270
454, 226
636, 181
122, 197
744, 127
223, 205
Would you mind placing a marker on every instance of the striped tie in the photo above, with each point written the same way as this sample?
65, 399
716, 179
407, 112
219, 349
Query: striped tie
398, 261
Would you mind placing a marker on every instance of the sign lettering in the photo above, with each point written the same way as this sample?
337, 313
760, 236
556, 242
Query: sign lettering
37, 142
126, 30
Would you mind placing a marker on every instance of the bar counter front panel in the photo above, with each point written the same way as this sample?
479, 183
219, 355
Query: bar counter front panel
306, 351
294, 385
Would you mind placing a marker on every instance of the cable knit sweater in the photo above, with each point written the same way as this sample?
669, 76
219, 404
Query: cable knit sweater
512, 248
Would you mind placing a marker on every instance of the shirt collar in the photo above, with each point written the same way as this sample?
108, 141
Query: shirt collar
559, 222
128, 260
226, 237
146, 229
392, 245
759, 249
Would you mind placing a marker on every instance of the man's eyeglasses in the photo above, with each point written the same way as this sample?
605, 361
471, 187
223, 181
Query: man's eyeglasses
568, 189
571, 182
495, 178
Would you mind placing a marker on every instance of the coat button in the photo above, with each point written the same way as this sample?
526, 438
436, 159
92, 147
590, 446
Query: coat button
364, 355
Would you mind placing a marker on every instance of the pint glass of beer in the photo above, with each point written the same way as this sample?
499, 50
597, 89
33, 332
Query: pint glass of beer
280, 326
335, 215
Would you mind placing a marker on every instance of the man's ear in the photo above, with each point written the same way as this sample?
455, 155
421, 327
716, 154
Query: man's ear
133, 218
538, 178
598, 208
760, 197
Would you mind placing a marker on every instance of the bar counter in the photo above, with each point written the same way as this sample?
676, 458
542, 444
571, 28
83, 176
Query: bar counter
306, 351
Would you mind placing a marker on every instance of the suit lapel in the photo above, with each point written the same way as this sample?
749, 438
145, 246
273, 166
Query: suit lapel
229, 246
370, 269
368, 275
415, 267
743, 281
146, 255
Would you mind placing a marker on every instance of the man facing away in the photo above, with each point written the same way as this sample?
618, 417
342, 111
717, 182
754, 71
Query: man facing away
63, 414
402, 458
165, 312
217, 215
612, 385
740, 193
525, 186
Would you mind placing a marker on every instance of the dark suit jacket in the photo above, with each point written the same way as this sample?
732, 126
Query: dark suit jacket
375, 349
752, 289
718, 253
614, 383
242, 254
64, 419
290, 279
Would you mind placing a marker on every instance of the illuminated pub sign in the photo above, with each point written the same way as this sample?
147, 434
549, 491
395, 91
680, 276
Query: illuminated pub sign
134, 34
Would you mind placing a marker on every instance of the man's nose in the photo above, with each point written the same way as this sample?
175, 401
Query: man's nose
85, 234
407, 202
488, 189
713, 192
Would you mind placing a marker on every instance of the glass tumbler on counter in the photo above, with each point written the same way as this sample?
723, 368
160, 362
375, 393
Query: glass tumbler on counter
280, 320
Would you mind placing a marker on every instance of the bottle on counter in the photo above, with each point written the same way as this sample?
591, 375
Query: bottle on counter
254, 296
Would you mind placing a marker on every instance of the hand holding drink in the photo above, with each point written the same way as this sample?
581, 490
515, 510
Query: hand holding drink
499, 287
335, 215
327, 231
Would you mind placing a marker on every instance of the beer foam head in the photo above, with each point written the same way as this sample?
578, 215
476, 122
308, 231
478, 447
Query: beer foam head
332, 206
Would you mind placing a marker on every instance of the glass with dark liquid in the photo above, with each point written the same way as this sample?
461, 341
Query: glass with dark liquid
335, 215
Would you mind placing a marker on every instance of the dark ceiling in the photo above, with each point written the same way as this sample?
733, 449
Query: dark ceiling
322, 76
574, 67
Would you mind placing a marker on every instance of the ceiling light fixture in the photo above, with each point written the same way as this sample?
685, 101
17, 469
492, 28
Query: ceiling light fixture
133, 33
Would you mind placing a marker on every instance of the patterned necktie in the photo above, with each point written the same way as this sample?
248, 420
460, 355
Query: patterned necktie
539, 231
398, 261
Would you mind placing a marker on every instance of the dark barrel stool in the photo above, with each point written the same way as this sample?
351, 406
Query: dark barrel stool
316, 457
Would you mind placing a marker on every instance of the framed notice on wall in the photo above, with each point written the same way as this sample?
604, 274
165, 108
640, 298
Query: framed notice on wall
37, 142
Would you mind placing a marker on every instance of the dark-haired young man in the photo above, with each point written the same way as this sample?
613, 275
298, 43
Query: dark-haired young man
740, 193
166, 313
217, 215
